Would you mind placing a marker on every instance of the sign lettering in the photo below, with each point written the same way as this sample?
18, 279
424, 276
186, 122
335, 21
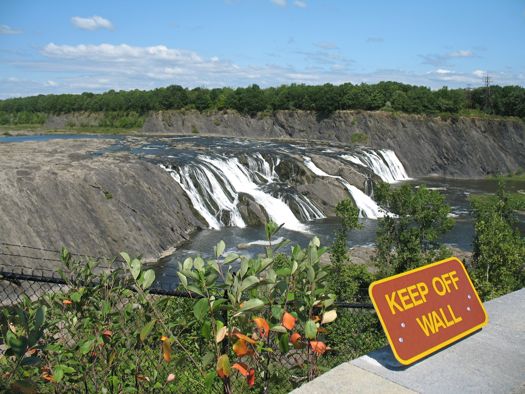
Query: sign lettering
427, 308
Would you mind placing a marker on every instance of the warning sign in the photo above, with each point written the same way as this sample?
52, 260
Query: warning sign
428, 308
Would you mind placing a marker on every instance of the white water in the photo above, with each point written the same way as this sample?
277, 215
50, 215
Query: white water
213, 185
237, 175
367, 207
383, 162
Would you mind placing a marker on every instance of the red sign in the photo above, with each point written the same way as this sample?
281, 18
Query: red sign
427, 308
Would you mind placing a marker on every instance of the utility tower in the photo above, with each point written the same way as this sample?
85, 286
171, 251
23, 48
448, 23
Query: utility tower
488, 102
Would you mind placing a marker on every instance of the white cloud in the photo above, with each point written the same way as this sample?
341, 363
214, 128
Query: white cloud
7, 30
443, 59
119, 53
97, 68
461, 53
92, 23
479, 73
280, 3
326, 45
299, 4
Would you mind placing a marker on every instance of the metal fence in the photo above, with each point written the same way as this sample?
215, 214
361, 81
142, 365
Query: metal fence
20, 284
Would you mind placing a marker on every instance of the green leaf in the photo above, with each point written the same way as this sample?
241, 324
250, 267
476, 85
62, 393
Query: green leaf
310, 329
198, 263
277, 312
213, 264
209, 379
200, 309
230, 258
328, 302
316, 241
17, 344
67, 369
284, 342
278, 328
58, 373
284, 271
243, 269
195, 290
149, 278
40, 317
124, 255
206, 329
76, 296
217, 303
294, 267
219, 249
144, 332
187, 265
135, 268
183, 279
250, 281
86, 347
311, 274
251, 305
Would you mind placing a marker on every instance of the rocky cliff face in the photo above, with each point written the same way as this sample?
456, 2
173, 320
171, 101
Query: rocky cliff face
57, 194
458, 147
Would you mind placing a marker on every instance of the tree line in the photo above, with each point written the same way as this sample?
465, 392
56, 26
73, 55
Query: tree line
323, 99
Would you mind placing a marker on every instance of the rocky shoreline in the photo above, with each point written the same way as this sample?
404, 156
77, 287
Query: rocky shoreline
58, 193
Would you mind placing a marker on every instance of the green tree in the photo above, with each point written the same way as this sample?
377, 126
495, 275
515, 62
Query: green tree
499, 248
346, 278
408, 237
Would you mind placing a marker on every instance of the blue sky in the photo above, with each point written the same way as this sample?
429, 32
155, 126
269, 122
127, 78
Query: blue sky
75, 46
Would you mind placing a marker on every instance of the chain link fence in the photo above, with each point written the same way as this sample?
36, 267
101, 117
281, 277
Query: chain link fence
99, 320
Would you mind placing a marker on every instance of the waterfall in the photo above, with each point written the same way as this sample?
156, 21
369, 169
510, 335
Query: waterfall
213, 185
367, 207
382, 162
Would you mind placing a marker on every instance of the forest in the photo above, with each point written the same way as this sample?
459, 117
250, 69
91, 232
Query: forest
251, 100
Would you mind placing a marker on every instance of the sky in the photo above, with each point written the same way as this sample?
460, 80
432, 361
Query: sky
59, 46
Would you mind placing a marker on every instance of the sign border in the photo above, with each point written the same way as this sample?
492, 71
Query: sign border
441, 345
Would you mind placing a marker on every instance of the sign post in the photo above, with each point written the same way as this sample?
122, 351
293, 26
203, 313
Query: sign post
427, 308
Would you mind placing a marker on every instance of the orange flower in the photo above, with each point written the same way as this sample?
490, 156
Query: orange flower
67, 302
295, 338
244, 337
240, 348
47, 377
242, 368
166, 349
288, 321
107, 333
262, 325
318, 347
251, 377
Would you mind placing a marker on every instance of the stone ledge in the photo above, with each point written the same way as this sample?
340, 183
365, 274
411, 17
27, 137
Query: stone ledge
491, 360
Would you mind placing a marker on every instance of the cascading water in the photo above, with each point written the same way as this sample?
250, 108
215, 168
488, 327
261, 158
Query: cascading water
382, 162
213, 185
367, 207
233, 184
